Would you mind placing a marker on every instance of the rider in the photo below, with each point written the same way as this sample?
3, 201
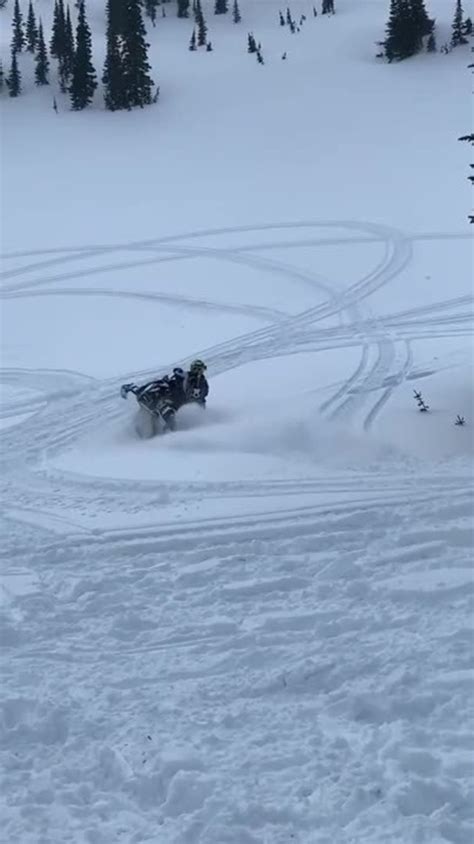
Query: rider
196, 387
176, 387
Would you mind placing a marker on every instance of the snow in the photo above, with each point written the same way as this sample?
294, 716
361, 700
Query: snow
259, 629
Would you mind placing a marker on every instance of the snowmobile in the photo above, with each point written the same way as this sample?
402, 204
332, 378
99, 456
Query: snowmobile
156, 414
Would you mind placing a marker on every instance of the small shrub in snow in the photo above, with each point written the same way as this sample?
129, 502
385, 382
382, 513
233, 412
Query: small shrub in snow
422, 406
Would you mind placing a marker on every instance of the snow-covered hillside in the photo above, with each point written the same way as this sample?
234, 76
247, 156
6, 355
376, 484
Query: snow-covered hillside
257, 630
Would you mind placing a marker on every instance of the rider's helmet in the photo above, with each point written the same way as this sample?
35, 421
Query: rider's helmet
198, 367
178, 372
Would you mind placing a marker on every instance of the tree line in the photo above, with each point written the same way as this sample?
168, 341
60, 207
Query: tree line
126, 75
410, 29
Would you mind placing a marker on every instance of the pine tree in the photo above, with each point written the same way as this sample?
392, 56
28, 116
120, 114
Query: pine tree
192, 43
457, 37
201, 25
431, 44
58, 37
66, 57
252, 44
42, 63
236, 16
183, 8
467, 27
221, 7
31, 30
259, 57
18, 38
14, 77
151, 9
289, 19
282, 19
420, 18
116, 10
328, 7
113, 76
84, 81
1, 76
138, 83
402, 33
209, 47
69, 48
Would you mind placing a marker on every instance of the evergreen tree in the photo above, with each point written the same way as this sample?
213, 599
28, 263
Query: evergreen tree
31, 30
221, 7
116, 15
467, 27
201, 25
18, 38
289, 19
14, 77
431, 44
68, 44
282, 19
252, 44
138, 83
151, 9
402, 34
236, 16
66, 57
192, 43
259, 57
183, 8
457, 37
1, 76
58, 37
42, 63
84, 81
327, 7
420, 18
113, 76
209, 47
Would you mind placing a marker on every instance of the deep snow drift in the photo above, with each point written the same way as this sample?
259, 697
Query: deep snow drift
259, 629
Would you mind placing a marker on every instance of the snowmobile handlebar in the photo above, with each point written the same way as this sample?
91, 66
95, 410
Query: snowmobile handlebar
125, 389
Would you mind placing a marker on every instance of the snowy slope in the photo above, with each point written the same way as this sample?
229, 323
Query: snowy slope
257, 630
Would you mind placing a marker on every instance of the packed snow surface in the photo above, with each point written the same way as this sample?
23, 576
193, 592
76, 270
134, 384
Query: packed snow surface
257, 630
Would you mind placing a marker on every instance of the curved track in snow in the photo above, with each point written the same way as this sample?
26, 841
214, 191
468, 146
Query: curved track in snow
68, 405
